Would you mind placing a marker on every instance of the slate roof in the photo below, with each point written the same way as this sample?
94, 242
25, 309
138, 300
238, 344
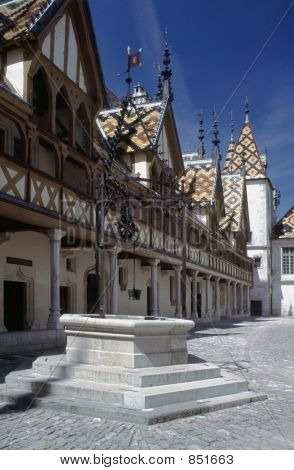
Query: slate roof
233, 190
245, 153
20, 17
285, 227
199, 182
141, 128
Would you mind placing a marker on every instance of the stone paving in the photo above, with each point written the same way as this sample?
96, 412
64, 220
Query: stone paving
260, 350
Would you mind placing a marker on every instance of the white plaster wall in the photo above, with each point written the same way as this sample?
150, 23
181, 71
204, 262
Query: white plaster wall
15, 70
257, 203
163, 148
261, 289
141, 166
35, 247
59, 43
73, 54
260, 215
283, 284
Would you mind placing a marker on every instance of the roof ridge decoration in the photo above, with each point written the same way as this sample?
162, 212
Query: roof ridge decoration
231, 147
215, 142
201, 148
167, 72
284, 228
245, 154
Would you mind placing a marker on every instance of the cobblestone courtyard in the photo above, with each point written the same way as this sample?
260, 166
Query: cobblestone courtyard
261, 350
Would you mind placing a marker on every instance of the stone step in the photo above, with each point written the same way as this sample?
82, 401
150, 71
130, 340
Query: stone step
131, 397
119, 413
147, 377
153, 397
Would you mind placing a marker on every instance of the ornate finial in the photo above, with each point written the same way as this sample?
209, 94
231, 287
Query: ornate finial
246, 110
232, 127
201, 149
167, 73
159, 82
215, 142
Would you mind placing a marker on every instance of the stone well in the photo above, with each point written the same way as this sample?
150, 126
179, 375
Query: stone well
126, 341
127, 368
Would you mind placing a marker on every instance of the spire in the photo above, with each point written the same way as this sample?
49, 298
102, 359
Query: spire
231, 148
232, 128
246, 110
159, 83
215, 142
201, 149
167, 73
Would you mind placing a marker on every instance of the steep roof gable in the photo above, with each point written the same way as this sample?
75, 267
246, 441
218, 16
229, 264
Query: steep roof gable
141, 126
19, 18
233, 189
285, 227
200, 181
64, 32
245, 153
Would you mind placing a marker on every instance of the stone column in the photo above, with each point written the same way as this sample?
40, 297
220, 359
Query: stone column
4, 237
114, 251
217, 299
194, 313
248, 300
55, 237
228, 300
178, 310
154, 286
208, 297
241, 300
234, 312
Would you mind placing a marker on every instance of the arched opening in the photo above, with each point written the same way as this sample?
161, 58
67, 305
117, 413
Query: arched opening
75, 175
41, 99
47, 159
82, 137
63, 116
12, 141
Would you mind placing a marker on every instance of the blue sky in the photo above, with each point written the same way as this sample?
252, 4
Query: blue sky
222, 50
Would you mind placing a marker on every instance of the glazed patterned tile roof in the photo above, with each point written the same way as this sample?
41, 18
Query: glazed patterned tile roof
18, 17
141, 126
199, 182
233, 190
245, 154
285, 227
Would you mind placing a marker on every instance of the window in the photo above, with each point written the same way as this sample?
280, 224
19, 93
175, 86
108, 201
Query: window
257, 262
18, 148
288, 260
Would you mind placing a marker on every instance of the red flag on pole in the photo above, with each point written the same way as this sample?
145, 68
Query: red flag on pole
134, 60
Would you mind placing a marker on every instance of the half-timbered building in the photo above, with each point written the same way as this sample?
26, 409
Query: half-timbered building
57, 124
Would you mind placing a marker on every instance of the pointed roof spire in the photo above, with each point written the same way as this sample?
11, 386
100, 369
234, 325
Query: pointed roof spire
201, 149
159, 83
246, 109
231, 148
167, 73
232, 127
215, 142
